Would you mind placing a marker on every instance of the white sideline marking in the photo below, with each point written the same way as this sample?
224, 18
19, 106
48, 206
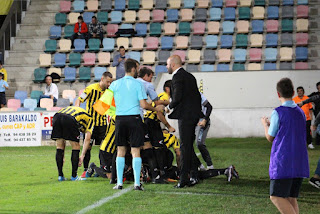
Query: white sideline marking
104, 200
210, 194
198, 153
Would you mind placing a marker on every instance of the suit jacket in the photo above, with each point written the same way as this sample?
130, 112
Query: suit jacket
185, 95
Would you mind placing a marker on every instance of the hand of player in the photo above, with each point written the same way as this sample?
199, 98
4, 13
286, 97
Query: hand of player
300, 104
159, 108
167, 110
171, 129
81, 160
120, 59
265, 121
313, 127
202, 123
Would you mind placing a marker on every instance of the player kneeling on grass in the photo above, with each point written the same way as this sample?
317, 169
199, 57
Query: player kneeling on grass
67, 125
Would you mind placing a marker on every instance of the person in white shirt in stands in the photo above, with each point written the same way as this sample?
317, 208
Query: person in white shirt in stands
51, 90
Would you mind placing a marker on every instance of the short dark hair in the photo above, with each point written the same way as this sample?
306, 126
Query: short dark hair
285, 88
48, 75
167, 84
93, 17
129, 64
318, 83
145, 71
1, 75
107, 74
121, 47
80, 17
300, 87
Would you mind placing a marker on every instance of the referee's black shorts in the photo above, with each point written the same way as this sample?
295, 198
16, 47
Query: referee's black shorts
129, 131
65, 127
98, 134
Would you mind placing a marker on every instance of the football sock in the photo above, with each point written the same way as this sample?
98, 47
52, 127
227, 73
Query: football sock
59, 160
120, 162
136, 165
75, 162
86, 159
159, 153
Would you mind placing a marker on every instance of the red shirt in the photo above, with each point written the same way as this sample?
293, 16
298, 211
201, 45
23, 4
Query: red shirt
84, 28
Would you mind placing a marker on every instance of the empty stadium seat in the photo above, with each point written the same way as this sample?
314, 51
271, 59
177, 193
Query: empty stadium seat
174, 3
199, 28
123, 42
102, 17
94, 45
270, 66
61, 103
271, 40
45, 60
302, 25
227, 27
46, 103
141, 29
231, 3
194, 56
129, 16
120, 5
255, 54
207, 68
35, 95
302, 39
106, 5
302, 11
134, 4
60, 60
65, 6
213, 27
257, 26
287, 25
258, 13
259, 2
270, 54
79, 45
137, 43
158, 15
301, 65
92, 5
184, 28
301, 53
172, 15
89, 59
273, 12
161, 69
226, 41
238, 67
244, 13
68, 31
254, 67
285, 66
240, 55
116, 17
98, 71
215, 14
14, 104
223, 67
55, 32
245, 3
163, 56
87, 17
303, 2
256, 40
22, 109
144, 16
287, 12
217, 3
78, 6
61, 19
73, 18
108, 44
74, 59
85, 74
68, 94
285, 54
31, 103
39, 75
192, 68
229, 13
209, 56
104, 58
148, 57
155, 29
70, 74
196, 42
65, 45
166, 43
189, 3
211, 41
241, 40
286, 39
182, 55
161, 4
135, 55
272, 26
50, 46
224, 55
147, 4
203, 3
287, 2
186, 15
201, 14
242, 26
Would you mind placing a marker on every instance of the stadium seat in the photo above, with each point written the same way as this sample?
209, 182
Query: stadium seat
74, 59
287, 2
57, 71
135, 55
155, 29
274, 2
31, 103
254, 67
104, 58
61, 103
270, 54
245, 3
22, 109
50, 46
203, 3
241, 40
271, 40
161, 69
85, 74
287, 25
256, 40
270, 66
286, 39
89, 59
224, 55
65, 6
258, 13
55, 32
45, 60
60, 60
65, 45
102, 17
46, 103
169, 29
194, 56
209, 56
133, 4
94, 45
141, 29
301, 65
182, 42
78, 6
161, 4
129, 16
116, 17
106, 5
196, 42
255, 54
240, 55
215, 14
257, 26
302, 11
231, 3
259, 2
73, 18
68, 94
79, 45
61, 19
137, 43
272, 26
120, 5
172, 15
213, 27
200, 14
223, 67
39, 75
186, 15
87, 17
98, 71
123, 42
189, 3
211, 41
147, 4
40, 109
287, 12
207, 68
199, 28
242, 26
70, 74
111, 30
148, 57
226, 41
285, 66
286, 54
301, 53
14, 104
244, 13
302, 39
108, 44
174, 4
166, 43
55, 108
303, 2
229, 13
302, 25
192, 68
227, 27
144, 16
92, 5
68, 31
238, 67
184, 28
180, 53
158, 15
163, 56
217, 3
35, 95
273, 12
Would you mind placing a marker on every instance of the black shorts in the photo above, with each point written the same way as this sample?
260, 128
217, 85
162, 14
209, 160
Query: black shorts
65, 127
98, 135
285, 188
154, 132
106, 160
129, 131
3, 99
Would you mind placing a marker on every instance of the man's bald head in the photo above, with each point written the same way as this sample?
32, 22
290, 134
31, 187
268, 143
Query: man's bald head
174, 62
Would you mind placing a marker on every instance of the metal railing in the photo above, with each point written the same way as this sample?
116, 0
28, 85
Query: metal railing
9, 25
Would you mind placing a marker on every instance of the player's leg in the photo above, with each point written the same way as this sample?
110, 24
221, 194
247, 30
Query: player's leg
201, 135
61, 144
120, 163
136, 165
283, 205
75, 160
148, 157
294, 203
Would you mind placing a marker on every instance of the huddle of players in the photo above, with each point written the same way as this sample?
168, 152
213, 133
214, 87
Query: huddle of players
156, 155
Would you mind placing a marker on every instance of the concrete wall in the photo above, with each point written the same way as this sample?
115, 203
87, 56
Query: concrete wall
239, 99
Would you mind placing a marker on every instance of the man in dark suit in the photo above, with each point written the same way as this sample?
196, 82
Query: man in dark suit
186, 106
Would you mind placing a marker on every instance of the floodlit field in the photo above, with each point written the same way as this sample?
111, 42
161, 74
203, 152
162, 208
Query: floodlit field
28, 184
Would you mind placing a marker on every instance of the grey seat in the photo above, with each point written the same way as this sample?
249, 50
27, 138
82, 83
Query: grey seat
285, 66
61, 102
161, 4
201, 14
209, 56
106, 5
287, 12
274, 2
286, 39
163, 56
196, 42
192, 68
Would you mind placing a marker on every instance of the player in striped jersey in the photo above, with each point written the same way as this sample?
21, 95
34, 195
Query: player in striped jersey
67, 125
91, 94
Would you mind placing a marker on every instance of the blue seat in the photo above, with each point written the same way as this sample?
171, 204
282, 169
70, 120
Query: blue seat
124, 27
207, 68
217, 3
192, 68
166, 43
70, 74
238, 67
23, 109
60, 60
287, 2
228, 27
55, 32
303, 2
135, 55
271, 40
172, 15
274, 2
79, 45
223, 67
87, 17
273, 12
116, 17
106, 5
163, 56
211, 41
301, 53
141, 29
30, 104
120, 5
257, 26
209, 56
108, 44
98, 71
285, 66
78, 6
21, 95
215, 14
189, 3
270, 66
161, 69
240, 55
270, 54
226, 41
229, 13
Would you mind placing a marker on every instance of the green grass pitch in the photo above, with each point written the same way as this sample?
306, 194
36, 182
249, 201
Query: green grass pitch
28, 184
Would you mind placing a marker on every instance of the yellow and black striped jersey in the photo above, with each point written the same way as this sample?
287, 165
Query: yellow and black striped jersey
108, 144
85, 121
92, 94
152, 114
171, 140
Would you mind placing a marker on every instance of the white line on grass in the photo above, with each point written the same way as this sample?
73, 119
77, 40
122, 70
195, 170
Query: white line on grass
198, 153
210, 194
104, 200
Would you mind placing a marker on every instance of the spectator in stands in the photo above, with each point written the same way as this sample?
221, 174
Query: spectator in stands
4, 72
307, 109
3, 86
80, 30
118, 61
51, 91
95, 29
